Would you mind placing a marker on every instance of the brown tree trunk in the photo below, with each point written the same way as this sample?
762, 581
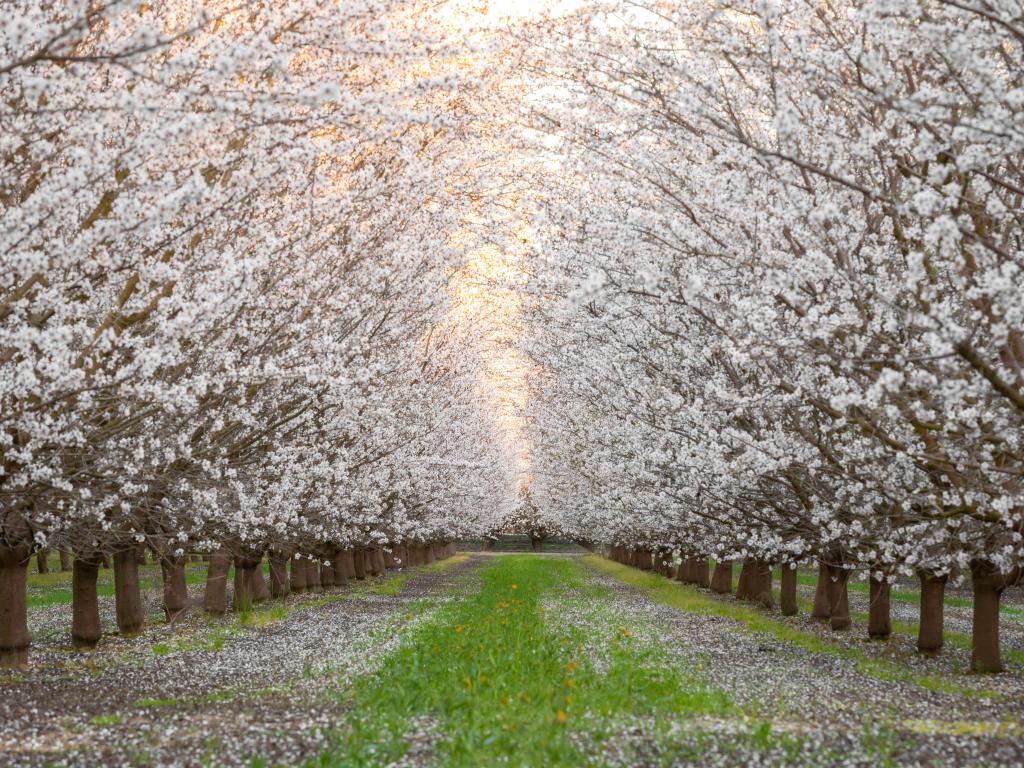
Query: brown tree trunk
298, 575
988, 585
340, 578
428, 551
43, 560
86, 629
359, 563
215, 598
312, 575
929, 631
175, 588
838, 598
701, 572
721, 581
348, 564
761, 584
822, 602
644, 560
279, 586
65, 560
260, 590
787, 589
105, 561
402, 556
14, 635
244, 597
382, 568
683, 571
327, 574
131, 615
879, 609
744, 587
536, 544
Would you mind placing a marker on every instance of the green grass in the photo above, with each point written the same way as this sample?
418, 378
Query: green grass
54, 588
693, 600
104, 720
490, 680
149, 703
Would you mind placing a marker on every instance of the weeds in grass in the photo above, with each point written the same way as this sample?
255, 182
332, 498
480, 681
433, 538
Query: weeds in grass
106, 720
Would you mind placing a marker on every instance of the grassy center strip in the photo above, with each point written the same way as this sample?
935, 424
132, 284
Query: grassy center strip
490, 679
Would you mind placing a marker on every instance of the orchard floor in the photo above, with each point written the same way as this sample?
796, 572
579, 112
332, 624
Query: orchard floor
518, 660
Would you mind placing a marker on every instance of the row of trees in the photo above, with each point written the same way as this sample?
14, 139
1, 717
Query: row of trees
779, 290
224, 326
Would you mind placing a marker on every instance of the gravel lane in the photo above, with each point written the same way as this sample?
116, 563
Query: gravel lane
209, 692
822, 698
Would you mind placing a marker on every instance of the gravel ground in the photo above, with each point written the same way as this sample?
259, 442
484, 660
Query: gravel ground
209, 692
836, 712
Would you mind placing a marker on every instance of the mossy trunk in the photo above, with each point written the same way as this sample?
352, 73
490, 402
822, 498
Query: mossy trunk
215, 598
930, 626
86, 628
131, 616
787, 589
43, 560
879, 609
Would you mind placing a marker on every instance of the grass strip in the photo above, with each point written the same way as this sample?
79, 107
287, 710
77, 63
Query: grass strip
487, 680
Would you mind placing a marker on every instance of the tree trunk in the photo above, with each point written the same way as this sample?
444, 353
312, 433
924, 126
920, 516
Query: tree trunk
683, 572
988, 586
215, 598
105, 561
382, 569
721, 581
536, 544
279, 586
43, 560
761, 584
359, 563
260, 590
175, 588
131, 615
244, 597
701, 572
822, 602
402, 556
879, 609
312, 575
65, 561
744, 587
327, 574
348, 564
298, 575
644, 560
14, 636
86, 629
429, 552
787, 589
340, 578
838, 598
929, 632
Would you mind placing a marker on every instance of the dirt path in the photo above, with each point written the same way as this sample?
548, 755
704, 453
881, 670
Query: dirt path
211, 692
